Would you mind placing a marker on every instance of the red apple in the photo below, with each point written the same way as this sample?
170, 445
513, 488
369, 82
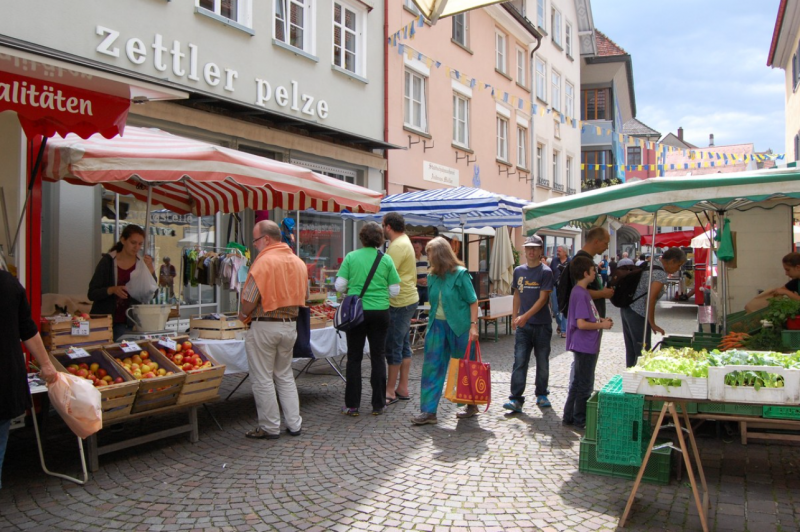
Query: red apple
187, 367
149, 375
73, 369
163, 351
83, 372
119, 380
84, 366
178, 359
100, 383
101, 373
144, 355
187, 345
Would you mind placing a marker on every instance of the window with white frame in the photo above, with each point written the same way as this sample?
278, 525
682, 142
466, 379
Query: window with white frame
502, 138
541, 80
235, 10
500, 51
348, 49
555, 26
556, 167
415, 112
569, 99
521, 64
460, 120
294, 23
568, 39
522, 147
555, 91
411, 6
541, 171
568, 171
540, 13
460, 29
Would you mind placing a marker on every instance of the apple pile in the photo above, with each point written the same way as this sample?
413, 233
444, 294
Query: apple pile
94, 373
142, 367
185, 357
80, 316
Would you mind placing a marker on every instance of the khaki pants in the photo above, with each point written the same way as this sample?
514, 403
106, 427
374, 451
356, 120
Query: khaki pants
269, 348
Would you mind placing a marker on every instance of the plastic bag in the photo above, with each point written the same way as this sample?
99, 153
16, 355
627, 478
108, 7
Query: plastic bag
142, 285
78, 403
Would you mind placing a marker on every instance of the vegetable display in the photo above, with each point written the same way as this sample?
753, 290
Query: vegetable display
734, 340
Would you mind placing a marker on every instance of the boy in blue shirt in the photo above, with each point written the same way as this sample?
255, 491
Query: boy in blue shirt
583, 339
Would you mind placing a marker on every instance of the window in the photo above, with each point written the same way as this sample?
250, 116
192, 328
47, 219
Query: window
346, 36
541, 172
521, 63
555, 95
797, 147
540, 13
411, 6
556, 167
568, 39
522, 147
415, 112
460, 29
541, 73
460, 121
555, 26
634, 155
568, 172
594, 105
569, 99
590, 172
294, 23
502, 138
235, 10
500, 51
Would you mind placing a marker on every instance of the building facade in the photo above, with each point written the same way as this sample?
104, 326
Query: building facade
784, 53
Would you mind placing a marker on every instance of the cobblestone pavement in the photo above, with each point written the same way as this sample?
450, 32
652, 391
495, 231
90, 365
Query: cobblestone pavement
491, 472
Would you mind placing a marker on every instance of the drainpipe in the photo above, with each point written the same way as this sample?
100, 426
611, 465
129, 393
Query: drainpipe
386, 94
531, 143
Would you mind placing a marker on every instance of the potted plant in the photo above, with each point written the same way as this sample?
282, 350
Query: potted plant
783, 313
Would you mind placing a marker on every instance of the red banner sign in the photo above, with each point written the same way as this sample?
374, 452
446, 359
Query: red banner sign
46, 108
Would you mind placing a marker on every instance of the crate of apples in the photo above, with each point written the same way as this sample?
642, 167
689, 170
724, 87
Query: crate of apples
141, 366
185, 357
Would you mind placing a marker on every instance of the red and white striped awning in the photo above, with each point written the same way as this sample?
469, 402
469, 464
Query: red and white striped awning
192, 176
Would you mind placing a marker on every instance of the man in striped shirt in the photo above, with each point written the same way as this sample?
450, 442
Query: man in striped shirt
422, 272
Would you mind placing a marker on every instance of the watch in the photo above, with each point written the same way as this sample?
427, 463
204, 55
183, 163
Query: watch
473, 322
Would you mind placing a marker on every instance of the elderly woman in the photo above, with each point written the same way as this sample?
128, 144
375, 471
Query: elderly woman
453, 323
633, 317
351, 278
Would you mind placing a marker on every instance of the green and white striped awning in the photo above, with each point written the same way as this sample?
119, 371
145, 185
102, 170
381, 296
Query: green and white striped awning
677, 200
107, 228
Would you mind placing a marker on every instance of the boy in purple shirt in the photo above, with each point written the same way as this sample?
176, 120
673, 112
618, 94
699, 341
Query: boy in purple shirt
583, 339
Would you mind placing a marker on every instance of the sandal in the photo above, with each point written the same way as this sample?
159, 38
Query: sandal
563, 335
261, 434
391, 400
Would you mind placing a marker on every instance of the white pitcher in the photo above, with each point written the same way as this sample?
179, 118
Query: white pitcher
149, 317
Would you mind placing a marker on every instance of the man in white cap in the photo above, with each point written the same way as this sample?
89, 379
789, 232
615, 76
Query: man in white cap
531, 319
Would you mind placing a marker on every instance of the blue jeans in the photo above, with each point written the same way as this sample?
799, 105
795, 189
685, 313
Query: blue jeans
5, 425
527, 338
398, 344
632, 332
580, 387
561, 320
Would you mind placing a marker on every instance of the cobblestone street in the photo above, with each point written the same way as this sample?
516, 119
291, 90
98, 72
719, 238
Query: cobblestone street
492, 472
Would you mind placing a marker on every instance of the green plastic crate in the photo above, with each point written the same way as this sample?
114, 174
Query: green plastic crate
780, 412
736, 409
743, 322
591, 417
658, 468
621, 425
676, 341
655, 406
790, 339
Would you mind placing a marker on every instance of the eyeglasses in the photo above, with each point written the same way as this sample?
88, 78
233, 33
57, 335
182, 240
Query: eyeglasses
259, 238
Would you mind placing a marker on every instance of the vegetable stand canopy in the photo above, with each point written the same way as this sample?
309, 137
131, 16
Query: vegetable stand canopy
677, 200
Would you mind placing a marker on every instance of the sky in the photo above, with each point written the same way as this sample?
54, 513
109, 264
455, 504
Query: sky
702, 65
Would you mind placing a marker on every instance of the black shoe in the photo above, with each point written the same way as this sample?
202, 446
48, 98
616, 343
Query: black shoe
293, 432
566, 423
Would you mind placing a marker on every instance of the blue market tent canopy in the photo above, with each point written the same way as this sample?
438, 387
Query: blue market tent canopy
448, 201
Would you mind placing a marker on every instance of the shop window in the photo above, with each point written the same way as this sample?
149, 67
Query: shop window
294, 23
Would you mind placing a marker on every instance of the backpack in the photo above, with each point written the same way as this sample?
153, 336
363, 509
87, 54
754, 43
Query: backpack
350, 313
624, 282
564, 288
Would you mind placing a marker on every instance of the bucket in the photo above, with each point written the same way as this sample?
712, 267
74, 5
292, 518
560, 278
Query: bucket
149, 317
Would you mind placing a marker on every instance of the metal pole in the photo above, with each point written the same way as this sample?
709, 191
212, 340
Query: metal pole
147, 216
650, 283
723, 274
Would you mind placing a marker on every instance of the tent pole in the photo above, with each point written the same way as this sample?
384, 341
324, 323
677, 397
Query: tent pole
147, 217
116, 217
723, 274
650, 284
463, 245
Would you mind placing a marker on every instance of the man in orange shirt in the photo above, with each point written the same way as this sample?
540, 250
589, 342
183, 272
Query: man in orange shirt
276, 287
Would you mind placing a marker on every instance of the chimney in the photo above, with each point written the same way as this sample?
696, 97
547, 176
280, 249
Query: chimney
680, 133
711, 140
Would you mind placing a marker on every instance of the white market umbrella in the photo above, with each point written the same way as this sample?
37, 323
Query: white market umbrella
703, 240
501, 265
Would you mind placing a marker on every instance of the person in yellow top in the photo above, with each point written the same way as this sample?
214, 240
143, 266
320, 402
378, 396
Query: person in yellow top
401, 308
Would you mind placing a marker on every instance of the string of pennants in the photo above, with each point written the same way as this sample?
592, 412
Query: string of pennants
712, 159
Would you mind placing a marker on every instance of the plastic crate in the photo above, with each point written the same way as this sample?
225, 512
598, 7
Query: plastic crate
635, 382
780, 412
735, 409
790, 339
744, 322
676, 341
657, 471
591, 417
719, 391
655, 406
621, 427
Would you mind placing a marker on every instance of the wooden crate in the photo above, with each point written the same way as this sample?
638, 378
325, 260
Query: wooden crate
319, 322
202, 384
58, 335
156, 392
224, 329
117, 399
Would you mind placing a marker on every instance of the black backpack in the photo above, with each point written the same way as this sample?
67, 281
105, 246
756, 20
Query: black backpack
564, 288
625, 281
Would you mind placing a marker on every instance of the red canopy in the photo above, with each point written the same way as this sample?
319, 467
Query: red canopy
668, 240
48, 108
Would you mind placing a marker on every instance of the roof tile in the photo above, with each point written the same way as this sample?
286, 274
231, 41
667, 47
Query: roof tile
606, 46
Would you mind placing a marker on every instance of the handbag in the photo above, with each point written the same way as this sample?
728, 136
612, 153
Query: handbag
302, 345
350, 313
78, 402
469, 381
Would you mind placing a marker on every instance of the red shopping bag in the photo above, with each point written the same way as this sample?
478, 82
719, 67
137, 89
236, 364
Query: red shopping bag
474, 379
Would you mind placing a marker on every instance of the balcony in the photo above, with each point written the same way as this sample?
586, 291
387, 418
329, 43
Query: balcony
542, 182
592, 184
558, 187
571, 191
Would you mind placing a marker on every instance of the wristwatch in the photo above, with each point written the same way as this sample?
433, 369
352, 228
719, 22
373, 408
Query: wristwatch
473, 322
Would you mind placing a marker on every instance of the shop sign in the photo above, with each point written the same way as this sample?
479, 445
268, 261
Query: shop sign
185, 63
438, 173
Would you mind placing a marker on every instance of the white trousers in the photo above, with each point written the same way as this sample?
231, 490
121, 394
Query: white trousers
269, 346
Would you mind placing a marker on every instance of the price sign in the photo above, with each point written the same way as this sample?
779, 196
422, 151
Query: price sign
168, 343
80, 328
130, 347
77, 352
231, 324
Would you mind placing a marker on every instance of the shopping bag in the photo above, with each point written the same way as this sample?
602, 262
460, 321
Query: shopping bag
302, 345
142, 284
474, 379
451, 384
78, 403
